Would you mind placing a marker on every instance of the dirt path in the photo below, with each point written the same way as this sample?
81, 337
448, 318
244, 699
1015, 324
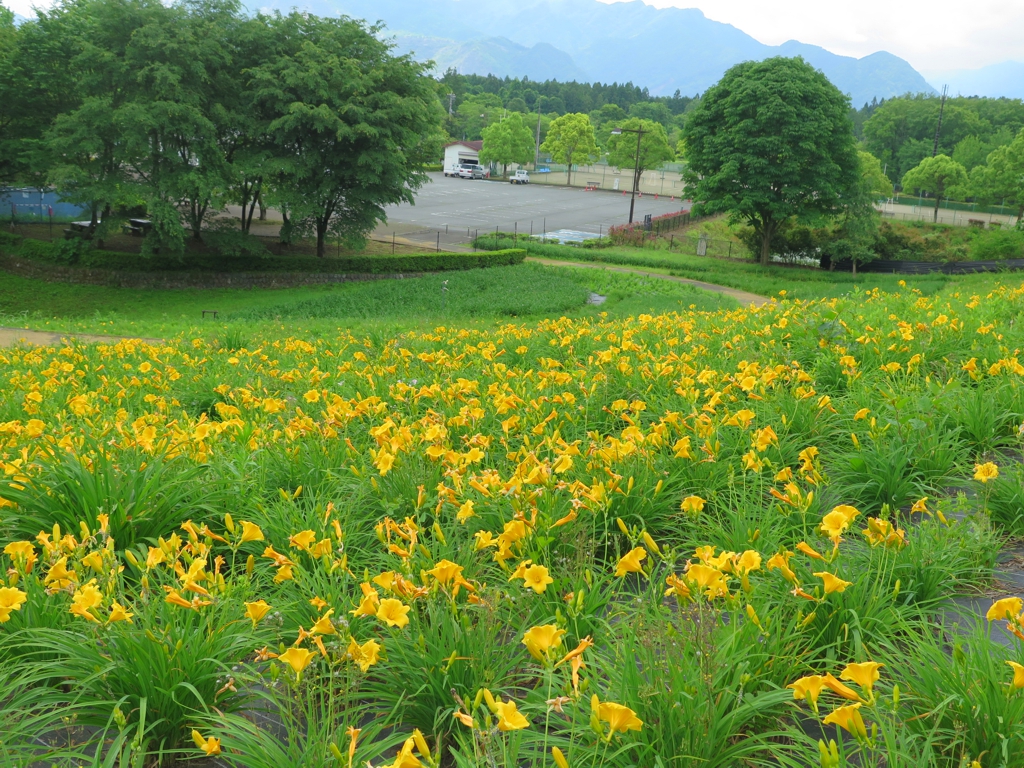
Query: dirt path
742, 297
9, 337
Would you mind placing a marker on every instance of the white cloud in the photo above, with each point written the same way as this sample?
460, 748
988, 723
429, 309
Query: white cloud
933, 36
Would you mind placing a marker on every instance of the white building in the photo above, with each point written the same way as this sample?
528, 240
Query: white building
461, 152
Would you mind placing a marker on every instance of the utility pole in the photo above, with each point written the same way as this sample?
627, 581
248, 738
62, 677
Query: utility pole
636, 167
451, 103
536, 151
938, 126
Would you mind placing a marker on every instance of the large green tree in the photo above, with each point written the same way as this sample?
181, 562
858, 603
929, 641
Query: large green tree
353, 124
771, 141
938, 176
81, 153
1001, 179
653, 145
570, 140
508, 141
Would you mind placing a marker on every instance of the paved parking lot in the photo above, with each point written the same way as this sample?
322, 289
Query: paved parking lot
462, 204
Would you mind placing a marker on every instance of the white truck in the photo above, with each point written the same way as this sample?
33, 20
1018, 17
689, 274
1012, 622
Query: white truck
520, 177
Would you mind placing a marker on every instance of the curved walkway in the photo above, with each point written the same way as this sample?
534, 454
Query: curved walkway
744, 298
12, 336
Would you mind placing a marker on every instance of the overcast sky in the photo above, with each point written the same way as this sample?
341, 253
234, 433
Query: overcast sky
933, 35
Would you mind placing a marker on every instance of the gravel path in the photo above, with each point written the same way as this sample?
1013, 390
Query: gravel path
744, 298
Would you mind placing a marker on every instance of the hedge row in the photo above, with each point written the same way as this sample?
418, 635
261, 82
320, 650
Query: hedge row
571, 253
374, 264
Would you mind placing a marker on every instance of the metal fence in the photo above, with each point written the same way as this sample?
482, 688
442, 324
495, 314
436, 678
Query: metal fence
24, 204
667, 182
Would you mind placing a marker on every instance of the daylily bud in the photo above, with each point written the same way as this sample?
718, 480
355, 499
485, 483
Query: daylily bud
250, 563
622, 526
131, 558
229, 523
335, 751
421, 744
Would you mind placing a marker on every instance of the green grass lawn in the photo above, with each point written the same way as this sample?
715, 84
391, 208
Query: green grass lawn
797, 282
481, 296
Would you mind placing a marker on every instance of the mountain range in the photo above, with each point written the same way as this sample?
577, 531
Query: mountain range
663, 49
1003, 79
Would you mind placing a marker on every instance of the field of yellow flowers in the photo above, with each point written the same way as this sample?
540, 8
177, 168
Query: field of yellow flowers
706, 539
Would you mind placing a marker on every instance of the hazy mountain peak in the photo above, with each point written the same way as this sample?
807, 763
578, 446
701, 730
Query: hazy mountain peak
664, 49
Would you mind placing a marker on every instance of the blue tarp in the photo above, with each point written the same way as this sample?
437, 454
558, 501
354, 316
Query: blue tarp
29, 203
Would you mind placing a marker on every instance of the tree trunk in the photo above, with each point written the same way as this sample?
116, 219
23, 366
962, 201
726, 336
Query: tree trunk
504, 170
854, 267
766, 244
321, 238
568, 168
935, 215
263, 208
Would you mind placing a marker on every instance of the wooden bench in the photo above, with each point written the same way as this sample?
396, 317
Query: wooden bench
979, 223
210, 311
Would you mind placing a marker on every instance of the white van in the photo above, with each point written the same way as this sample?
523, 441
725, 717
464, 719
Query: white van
470, 171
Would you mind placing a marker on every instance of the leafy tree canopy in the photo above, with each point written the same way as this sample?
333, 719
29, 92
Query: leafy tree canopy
938, 176
654, 147
570, 140
507, 142
772, 140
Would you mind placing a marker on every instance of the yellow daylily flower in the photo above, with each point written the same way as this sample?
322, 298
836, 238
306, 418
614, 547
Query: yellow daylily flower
210, 746
297, 658
986, 472
509, 716
393, 612
864, 674
808, 688
251, 531
536, 578
256, 611
631, 562
848, 718
365, 655
11, 599
1018, 674
542, 639
1007, 608
832, 582
619, 718
693, 505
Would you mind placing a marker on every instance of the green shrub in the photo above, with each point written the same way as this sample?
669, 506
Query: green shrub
38, 250
242, 256
9, 240
997, 244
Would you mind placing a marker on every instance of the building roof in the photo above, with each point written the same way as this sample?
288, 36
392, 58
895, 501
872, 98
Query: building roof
476, 146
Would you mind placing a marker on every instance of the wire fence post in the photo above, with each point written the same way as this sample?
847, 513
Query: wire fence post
515, 234
392, 243
438, 242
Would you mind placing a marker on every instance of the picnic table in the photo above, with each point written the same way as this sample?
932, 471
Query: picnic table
82, 229
137, 227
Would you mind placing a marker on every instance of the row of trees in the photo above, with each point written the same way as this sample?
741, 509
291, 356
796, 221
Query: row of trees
999, 180
190, 107
901, 132
572, 139
478, 101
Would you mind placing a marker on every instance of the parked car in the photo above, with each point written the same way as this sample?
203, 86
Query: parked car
520, 177
470, 171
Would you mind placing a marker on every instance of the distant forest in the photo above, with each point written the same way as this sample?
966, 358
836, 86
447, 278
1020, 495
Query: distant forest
900, 132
